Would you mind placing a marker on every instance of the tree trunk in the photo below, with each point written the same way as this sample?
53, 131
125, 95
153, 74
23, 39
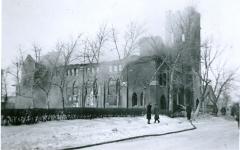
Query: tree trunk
215, 109
63, 103
171, 93
96, 100
47, 102
104, 95
198, 109
84, 99
83, 95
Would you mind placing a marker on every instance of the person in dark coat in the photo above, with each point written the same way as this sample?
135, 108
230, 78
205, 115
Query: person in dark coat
156, 113
189, 111
149, 106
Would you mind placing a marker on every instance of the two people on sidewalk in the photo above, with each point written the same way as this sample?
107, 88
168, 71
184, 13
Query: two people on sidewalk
156, 113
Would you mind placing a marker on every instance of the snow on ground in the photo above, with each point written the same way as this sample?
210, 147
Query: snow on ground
212, 133
72, 133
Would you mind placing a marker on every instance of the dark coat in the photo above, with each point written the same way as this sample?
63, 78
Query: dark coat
189, 111
149, 111
156, 113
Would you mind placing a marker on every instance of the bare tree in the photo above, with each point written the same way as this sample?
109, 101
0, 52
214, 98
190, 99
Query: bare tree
222, 82
4, 85
126, 45
64, 50
44, 75
37, 52
15, 71
214, 82
92, 50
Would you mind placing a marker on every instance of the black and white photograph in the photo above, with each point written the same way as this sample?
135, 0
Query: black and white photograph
120, 74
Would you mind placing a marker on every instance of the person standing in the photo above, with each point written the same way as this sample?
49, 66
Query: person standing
156, 114
149, 106
189, 111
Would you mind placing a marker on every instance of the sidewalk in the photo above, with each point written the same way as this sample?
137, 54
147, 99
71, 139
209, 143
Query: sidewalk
77, 133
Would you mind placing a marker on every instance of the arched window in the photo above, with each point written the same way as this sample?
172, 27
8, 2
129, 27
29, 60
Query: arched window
111, 93
134, 99
118, 86
95, 88
141, 99
162, 79
75, 92
113, 86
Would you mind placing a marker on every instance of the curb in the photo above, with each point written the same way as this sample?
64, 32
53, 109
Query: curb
131, 138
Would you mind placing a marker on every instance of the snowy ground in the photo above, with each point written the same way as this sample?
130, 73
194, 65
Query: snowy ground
211, 134
73, 133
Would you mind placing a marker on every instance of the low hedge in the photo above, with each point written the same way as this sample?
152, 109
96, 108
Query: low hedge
31, 116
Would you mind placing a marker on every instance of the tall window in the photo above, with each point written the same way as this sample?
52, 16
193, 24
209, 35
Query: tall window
75, 91
162, 79
134, 99
69, 72
111, 94
141, 99
75, 71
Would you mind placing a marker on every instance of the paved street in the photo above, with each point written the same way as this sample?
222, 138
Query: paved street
214, 134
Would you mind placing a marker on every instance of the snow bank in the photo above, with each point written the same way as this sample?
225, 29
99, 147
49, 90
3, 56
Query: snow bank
72, 133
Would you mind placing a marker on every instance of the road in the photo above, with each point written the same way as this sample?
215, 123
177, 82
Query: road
214, 134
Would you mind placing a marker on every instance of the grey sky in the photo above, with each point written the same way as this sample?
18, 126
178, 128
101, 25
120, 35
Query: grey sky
44, 22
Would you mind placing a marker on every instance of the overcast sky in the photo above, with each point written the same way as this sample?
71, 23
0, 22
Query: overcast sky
45, 22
